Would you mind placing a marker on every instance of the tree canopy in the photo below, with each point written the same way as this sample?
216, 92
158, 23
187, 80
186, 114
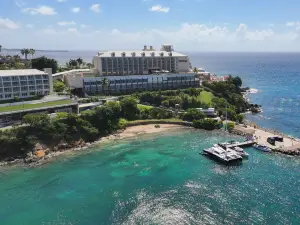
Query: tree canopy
43, 62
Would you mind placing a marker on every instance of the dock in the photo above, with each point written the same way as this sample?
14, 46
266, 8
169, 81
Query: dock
239, 144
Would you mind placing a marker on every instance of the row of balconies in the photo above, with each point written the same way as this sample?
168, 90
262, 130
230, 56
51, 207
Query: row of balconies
22, 94
133, 54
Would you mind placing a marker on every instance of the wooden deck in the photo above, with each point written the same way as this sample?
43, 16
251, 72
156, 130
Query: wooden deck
240, 144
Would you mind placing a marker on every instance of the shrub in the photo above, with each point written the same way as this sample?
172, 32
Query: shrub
157, 126
122, 123
207, 124
193, 114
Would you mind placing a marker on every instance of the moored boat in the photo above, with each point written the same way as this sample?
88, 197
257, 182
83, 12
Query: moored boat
262, 148
227, 156
241, 152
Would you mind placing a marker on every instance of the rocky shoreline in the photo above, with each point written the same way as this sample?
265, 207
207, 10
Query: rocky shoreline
41, 154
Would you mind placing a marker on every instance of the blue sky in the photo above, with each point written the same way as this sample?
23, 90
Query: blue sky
199, 25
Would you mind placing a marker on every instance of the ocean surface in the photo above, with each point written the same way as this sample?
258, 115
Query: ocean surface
154, 179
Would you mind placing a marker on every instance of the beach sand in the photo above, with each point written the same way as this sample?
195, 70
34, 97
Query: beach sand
142, 129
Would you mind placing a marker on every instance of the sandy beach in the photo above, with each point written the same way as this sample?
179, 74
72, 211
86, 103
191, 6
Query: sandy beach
142, 129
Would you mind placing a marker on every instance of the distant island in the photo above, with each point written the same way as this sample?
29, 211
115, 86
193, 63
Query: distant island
37, 50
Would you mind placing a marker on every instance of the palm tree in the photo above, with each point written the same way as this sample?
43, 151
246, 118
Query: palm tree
195, 70
0, 48
79, 61
25, 52
104, 83
31, 52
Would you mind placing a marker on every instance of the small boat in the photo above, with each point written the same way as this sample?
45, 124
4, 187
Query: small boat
241, 152
262, 148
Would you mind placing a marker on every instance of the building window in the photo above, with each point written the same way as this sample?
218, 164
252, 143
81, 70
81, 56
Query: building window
24, 94
16, 94
8, 96
32, 93
7, 89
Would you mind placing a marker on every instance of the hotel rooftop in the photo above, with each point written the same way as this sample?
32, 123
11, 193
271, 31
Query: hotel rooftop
26, 72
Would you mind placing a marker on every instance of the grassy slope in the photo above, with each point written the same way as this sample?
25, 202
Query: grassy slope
206, 97
140, 106
32, 106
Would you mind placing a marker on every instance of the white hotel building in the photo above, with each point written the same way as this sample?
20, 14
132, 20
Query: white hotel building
25, 83
146, 61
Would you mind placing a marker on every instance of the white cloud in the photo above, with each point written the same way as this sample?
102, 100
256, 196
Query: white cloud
73, 30
291, 24
189, 37
95, 8
159, 8
20, 3
75, 10
84, 26
42, 10
49, 31
66, 23
29, 25
8, 24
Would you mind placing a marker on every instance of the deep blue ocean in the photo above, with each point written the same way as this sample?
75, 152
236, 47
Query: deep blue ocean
162, 178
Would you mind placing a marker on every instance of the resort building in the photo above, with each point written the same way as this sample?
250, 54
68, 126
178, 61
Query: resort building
25, 83
127, 84
145, 61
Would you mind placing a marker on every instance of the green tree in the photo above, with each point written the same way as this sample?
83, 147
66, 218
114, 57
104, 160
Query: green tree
195, 70
79, 61
59, 86
43, 62
240, 118
31, 52
73, 63
129, 108
0, 48
193, 114
25, 52
89, 65
230, 126
36, 120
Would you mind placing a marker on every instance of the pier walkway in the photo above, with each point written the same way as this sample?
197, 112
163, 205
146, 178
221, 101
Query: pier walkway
239, 144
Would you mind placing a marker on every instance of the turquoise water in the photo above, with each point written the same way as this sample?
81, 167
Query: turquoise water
157, 179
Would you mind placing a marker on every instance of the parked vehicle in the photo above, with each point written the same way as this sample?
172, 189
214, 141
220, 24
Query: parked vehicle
278, 138
271, 140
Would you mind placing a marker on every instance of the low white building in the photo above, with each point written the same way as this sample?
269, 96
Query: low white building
25, 83
145, 61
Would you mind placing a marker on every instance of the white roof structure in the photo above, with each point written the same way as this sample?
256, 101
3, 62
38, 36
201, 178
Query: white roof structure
139, 53
25, 72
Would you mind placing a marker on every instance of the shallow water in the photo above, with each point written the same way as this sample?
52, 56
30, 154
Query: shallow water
154, 179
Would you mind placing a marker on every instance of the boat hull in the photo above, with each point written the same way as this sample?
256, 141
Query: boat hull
222, 160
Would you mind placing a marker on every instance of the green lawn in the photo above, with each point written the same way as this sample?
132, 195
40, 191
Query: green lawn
140, 106
33, 106
205, 97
